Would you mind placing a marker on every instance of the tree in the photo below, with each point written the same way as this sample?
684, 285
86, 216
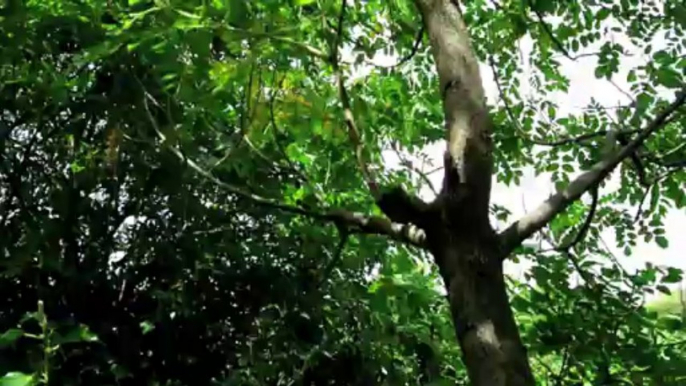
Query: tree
251, 97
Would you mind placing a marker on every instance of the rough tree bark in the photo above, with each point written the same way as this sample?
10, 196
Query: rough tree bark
458, 231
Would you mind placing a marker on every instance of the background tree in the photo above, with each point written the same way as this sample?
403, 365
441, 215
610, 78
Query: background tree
193, 192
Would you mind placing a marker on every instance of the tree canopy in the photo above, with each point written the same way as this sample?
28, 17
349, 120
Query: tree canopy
197, 192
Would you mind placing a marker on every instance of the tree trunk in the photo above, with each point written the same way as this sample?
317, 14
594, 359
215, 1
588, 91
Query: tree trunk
459, 235
471, 268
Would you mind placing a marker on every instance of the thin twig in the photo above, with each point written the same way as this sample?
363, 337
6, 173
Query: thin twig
549, 32
586, 225
291, 164
650, 187
349, 117
409, 165
626, 94
502, 95
424, 177
580, 138
559, 142
563, 367
409, 56
588, 279
344, 234
302, 46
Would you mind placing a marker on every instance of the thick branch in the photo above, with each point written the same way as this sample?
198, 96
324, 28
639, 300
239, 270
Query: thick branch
354, 135
396, 203
537, 219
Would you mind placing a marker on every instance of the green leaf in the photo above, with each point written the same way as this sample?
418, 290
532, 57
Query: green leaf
575, 45
664, 289
80, 333
10, 336
669, 77
304, 2
674, 275
600, 72
146, 326
603, 14
662, 241
16, 379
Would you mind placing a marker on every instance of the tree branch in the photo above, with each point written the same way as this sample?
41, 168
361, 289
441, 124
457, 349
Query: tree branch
565, 249
408, 57
650, 187
335, 259
349, 117
423, 176
359, 222
585, 226
580, 138
549, 32
302, 46
559, 142
410, 166
623, 140
660, 160
638, 165
397, 204
513, 236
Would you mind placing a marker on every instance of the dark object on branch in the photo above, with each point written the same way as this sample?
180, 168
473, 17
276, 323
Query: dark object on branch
403, 208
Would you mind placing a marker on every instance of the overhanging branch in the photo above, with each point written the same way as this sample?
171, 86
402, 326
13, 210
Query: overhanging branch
358, 222
395, 203
532, 222
349, 117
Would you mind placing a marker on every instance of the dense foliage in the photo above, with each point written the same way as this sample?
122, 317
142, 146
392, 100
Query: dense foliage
144, 144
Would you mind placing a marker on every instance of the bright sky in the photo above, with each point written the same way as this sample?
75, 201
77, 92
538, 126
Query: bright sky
535, 189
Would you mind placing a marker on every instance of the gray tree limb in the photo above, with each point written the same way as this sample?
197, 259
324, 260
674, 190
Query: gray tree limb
532, 222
